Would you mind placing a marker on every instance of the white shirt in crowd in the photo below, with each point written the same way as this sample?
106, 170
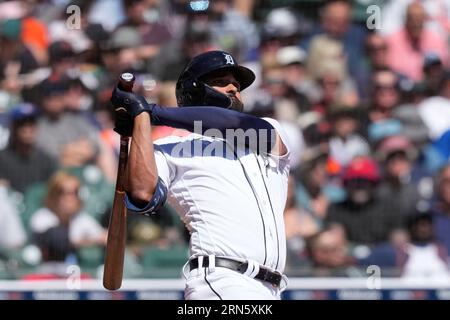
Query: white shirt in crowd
232, 207
424, 262
435, 113
12, 232
82, 227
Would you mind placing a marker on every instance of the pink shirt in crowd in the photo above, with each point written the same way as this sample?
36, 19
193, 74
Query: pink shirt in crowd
405, 59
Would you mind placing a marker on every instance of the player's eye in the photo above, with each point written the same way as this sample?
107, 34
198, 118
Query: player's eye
223, 83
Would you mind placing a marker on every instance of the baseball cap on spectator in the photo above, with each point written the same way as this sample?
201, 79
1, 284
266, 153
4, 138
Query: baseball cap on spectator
280, 22
314, 128
96, 32
339, 111
50, 87
11, 29
263, 106
309, 118
54, 243
395, 144
313, 154
124, 37
412, 125
362, 168
23, 112
382, 129
59, 51
290, 55
196, 33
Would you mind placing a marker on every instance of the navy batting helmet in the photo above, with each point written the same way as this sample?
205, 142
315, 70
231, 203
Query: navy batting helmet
190, 89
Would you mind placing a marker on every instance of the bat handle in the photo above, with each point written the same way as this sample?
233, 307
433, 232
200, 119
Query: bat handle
126, 81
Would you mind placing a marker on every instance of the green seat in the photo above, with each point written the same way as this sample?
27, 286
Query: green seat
90, 256
174, 257
33, 200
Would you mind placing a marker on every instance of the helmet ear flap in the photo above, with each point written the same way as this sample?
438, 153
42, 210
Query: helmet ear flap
190, 92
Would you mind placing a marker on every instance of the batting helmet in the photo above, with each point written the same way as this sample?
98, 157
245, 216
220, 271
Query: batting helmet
190, 89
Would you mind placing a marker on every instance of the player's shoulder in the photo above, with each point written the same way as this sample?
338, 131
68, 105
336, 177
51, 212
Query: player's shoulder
280, 128
167, 144
275, 123
174, 139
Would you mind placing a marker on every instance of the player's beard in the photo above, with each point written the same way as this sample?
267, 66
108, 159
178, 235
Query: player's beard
236, 104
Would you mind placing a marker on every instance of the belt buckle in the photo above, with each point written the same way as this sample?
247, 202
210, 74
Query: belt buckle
276, 285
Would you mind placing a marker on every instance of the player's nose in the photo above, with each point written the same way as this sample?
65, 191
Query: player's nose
231, 88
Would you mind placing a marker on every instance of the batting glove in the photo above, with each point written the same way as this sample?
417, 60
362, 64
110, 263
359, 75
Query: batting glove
129, 102
123, 124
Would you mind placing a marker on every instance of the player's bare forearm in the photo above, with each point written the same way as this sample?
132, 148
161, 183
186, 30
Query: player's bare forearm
141, 170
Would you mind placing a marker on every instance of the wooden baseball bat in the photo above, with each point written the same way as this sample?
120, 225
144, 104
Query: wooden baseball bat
115, 245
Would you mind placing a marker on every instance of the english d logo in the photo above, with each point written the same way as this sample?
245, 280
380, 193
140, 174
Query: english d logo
229, 59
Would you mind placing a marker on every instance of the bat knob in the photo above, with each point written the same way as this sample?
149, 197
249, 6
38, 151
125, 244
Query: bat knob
126, 81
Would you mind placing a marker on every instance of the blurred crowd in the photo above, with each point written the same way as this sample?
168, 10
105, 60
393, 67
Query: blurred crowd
366, 108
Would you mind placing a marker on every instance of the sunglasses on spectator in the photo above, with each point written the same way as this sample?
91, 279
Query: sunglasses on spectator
275, 81
327, 82
378, 48
385, 87
69, 191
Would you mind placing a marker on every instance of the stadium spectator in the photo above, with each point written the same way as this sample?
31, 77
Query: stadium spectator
67, 137
408, 46
418, 256
22, 163
366, 218
376, 48
281, 28
299, 224
435, 110
16, 61
441, 208
63, 207
393, 15
232, 31
329, 253
56, 256
327, 67
434, 72
313, 191
335, 23
345, 142
12, 232
151, 32
404, 180
385, 95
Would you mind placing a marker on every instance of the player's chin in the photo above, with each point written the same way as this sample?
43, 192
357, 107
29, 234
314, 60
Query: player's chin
236, 104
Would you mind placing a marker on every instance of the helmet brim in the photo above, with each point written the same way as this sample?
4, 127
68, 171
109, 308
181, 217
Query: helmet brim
243, 75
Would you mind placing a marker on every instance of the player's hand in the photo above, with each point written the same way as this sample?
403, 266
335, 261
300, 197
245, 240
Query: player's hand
123, 123
129, 102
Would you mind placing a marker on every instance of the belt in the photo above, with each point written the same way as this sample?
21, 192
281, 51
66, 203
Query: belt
264, 273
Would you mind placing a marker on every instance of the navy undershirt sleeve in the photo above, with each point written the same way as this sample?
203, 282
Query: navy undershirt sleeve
220, 119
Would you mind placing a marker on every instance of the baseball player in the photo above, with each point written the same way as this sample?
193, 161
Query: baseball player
230, 193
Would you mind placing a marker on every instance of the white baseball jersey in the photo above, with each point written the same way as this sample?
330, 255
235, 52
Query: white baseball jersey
232, 202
